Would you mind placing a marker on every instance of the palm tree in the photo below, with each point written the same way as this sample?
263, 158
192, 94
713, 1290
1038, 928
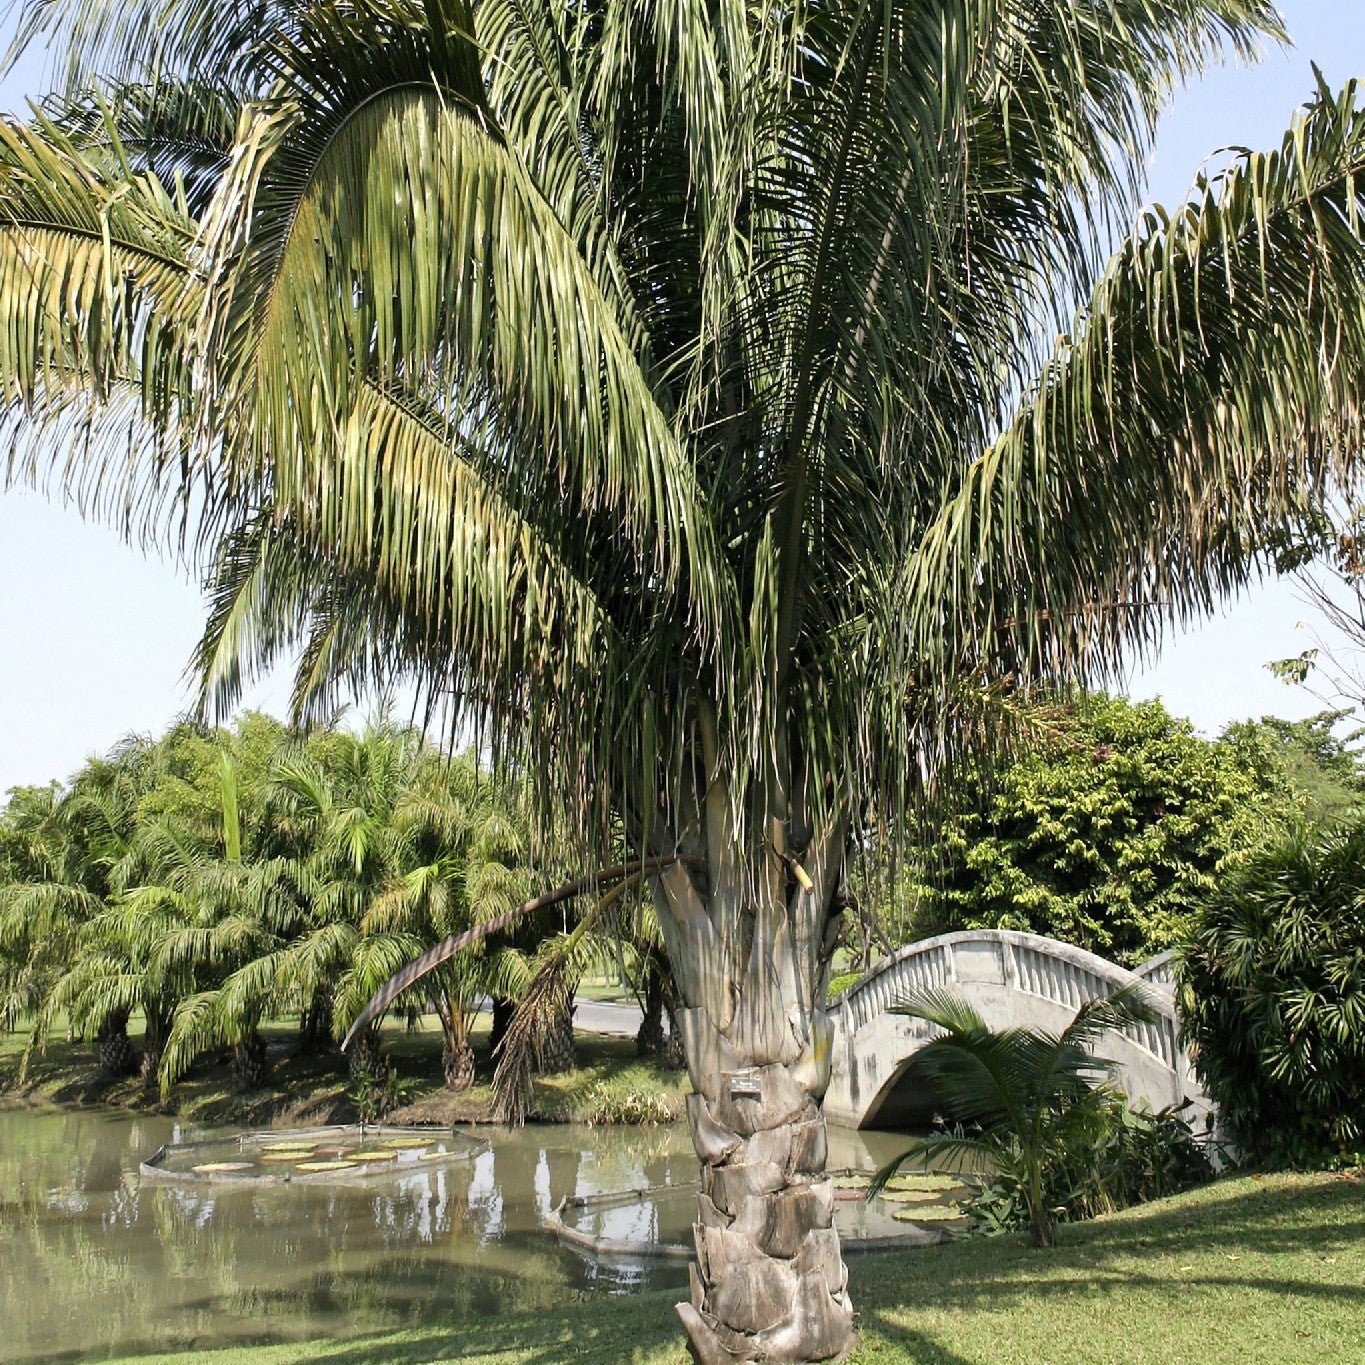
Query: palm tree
1036, 1097
49, 922
188, 903
677, 390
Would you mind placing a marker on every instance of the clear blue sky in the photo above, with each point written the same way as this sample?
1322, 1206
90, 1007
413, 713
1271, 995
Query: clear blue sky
94, 637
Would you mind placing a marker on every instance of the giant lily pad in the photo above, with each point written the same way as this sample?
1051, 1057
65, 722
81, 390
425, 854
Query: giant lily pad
930, 1213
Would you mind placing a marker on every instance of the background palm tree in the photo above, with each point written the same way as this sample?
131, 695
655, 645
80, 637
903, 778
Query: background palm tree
1034, 1097
50, 921
679, 391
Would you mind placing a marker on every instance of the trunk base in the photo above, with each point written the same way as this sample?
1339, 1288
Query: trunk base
458, 1065
769, 1281
249, 1063
650, 1037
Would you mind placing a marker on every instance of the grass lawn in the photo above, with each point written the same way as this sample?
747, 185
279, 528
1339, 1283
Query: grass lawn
608, 1080
1255, 1271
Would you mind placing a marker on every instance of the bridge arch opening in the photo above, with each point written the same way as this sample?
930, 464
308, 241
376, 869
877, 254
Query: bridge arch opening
905, 1101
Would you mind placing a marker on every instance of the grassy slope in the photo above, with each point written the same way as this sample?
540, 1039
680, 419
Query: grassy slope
1258, 1271
313, 1090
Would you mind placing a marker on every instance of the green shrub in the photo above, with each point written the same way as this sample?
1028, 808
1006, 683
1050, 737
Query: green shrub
375, 1090
1272, 985
1115, 1158
1106, 831
842, 981
1048, 1125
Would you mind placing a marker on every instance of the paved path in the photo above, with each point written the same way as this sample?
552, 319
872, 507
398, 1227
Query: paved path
620, 1021
596, 1016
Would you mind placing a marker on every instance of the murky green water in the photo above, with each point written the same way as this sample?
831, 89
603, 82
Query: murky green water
95, 1262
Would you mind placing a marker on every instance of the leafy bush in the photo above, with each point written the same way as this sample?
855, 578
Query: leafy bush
375, 1090
1106, 832
1118, 1157
1141, 1154
1272, 985
841, 981
1042, 1110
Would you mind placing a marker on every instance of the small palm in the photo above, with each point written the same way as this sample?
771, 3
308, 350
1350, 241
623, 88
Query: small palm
1036, 1096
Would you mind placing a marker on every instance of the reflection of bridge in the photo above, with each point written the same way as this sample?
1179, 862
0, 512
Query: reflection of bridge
1013, 979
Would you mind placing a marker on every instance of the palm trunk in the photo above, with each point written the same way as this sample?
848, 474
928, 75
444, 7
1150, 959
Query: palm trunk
315, 1025
457, 1055
503, 1010
672, 1054
769, 1282
650, 1037
364, 1058
117, 1056
154, 1043
457, 1063
556, 1051
750, 951
249, 1066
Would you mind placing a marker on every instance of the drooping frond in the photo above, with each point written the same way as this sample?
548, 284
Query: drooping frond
1213, 376
96, 299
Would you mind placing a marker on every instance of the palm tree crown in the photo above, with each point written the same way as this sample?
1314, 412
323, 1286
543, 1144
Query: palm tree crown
718, 404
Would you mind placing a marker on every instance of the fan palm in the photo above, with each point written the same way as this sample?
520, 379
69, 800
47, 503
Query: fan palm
678, 389
1035, 1096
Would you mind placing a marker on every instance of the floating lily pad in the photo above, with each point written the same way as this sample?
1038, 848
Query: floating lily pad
311, 1166
374, 1156
432, 1156
933, 1213
222, 1167
852, 1182
290, 1148
403, 1144
285, 1158
924, 1182
910, 1196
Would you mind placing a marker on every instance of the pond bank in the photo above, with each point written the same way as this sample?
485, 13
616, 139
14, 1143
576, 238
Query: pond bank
609, 1081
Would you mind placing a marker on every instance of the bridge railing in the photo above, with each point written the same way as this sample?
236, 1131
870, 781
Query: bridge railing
1038, 966
1158, 970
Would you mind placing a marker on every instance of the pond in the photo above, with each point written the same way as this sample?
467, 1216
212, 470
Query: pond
96, 1262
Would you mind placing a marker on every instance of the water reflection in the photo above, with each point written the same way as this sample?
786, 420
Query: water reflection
94, 1262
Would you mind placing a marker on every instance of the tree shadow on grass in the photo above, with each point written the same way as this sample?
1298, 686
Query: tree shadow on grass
918, 1348
1275, 1219
1280, 1234
585, 1334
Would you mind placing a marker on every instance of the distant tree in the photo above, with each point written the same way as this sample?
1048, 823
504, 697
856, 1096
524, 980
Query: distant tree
78, 850
1105, 832
32, 849
1317, 772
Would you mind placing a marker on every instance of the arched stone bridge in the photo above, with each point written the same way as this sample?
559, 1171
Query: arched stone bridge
1013, 979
